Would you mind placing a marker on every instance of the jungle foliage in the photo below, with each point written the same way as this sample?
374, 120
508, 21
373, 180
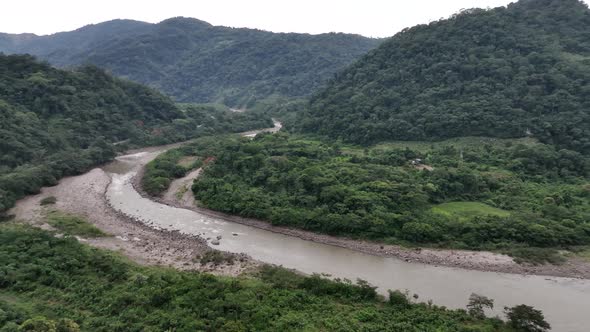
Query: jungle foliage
515, 71
478, 194
55, 123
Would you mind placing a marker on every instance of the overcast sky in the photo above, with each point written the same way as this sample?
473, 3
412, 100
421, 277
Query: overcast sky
373, 18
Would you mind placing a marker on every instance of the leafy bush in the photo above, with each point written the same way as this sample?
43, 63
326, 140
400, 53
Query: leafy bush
216, 257
48, 200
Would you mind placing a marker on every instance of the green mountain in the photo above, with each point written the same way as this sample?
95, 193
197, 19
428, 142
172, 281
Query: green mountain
194, 61
520, 70
55, 122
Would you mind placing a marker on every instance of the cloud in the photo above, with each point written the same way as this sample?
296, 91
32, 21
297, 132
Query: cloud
376, 18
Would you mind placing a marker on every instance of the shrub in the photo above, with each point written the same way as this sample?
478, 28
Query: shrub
48, 200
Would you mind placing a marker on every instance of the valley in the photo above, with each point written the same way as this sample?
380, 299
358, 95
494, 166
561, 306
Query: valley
169, 233
177, 175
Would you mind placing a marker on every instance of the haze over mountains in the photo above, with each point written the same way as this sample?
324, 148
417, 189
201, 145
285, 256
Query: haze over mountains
193, 61
506, 72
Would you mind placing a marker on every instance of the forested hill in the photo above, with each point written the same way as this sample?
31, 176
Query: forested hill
55, 122
504, 72
193, 61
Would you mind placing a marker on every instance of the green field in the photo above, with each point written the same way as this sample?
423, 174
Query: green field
467, 210
73, 225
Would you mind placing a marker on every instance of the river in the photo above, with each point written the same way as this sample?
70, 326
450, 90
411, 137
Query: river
564, 301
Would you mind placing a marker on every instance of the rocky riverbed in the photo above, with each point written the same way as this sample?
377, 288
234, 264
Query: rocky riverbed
84, 195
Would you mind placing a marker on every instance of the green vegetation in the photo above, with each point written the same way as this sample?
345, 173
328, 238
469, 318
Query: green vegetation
510, 197
160, 172
194, 61
527, 319
48, 281
583, 253
468, 210
55, 123
49, 200
504, 72
72, 225
216, 257
535, 256
180, 193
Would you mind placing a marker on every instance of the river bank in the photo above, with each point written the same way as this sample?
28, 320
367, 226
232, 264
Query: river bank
152, 233
84, 195
464, 259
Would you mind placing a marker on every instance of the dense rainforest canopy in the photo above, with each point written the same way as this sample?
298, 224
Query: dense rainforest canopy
521, 70
55, 122
193, 61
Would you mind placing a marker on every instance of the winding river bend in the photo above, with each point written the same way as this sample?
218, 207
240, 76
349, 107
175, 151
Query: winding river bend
564, 301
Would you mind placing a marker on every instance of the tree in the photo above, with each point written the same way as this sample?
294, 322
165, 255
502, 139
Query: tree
525, 318
399, 299
38, 324
477, 304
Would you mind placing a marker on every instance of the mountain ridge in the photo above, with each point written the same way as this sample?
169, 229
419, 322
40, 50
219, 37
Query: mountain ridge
478, 73
194, 61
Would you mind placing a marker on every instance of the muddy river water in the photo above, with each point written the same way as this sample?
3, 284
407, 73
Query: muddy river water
564, 301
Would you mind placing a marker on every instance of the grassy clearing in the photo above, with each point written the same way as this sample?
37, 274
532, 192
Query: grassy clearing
536, 256
187, 161
181, 192
73, 225
468, 210
584, 254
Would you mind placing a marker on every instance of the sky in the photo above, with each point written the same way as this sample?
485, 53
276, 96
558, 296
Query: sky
371, 18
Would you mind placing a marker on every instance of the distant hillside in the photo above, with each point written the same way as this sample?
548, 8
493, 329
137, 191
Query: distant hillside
504, 72
194, 61
55, 122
